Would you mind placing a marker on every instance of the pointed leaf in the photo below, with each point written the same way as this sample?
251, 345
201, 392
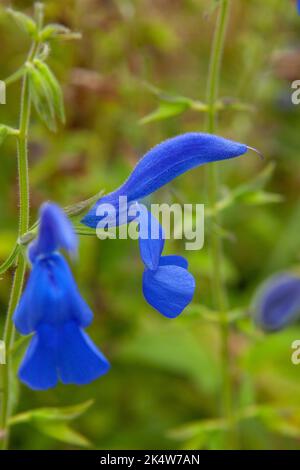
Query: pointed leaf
54, 88
165, 111
42, 97
24, 21
10, 260
52, 414
58, 31
62, 432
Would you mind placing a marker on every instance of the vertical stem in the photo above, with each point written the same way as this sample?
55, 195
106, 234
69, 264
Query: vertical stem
19, 274
218, 286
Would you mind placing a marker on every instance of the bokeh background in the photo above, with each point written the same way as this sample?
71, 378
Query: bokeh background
166, 374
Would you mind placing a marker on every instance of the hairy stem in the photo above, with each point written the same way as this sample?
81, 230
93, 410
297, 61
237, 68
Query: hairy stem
213, 180
19, 274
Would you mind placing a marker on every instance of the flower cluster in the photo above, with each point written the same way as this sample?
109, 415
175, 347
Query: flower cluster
52, 308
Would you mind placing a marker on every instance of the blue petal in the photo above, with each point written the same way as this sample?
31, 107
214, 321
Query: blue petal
79, 361
55, 232
164, 163
51, 296
169, 290
175, 260
298, 6
38, 368
278, 302
151, 238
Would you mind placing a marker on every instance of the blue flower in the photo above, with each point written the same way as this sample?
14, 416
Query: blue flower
52, 308
277, 303
298, 6
163, 164
167, 284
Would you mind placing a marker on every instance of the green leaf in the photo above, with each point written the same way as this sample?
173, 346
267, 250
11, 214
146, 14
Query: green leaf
197, 428
170, 105
205, 434
54, 88
257, 198
58, 31
80, 207
62, 432
165, 111
10, 260
24, 21
51, 414
42, 97
206, 314
251, 193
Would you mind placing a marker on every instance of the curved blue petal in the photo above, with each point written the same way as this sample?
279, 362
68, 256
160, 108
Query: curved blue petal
55, 232
175, 260
38, 368
51, 296
151, 238
79, 361
169, 289
164, 163
278, 302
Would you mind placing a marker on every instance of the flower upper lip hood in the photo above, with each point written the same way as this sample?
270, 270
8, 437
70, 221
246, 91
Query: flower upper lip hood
55, 232
164, 163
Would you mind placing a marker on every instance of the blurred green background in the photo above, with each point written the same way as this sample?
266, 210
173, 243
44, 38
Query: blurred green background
166, 374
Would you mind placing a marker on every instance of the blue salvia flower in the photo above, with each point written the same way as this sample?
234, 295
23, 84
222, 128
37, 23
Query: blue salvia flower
163, 164
277, 303
52, 308
167, 284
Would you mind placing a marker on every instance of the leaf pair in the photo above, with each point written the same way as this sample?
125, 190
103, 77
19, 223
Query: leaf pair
53, 422
170, 105
49, 32
46, 94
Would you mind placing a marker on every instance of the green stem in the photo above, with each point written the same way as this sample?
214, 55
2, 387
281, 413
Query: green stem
19, 274
219, 290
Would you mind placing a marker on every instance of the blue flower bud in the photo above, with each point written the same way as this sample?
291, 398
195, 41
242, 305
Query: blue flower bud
277, 303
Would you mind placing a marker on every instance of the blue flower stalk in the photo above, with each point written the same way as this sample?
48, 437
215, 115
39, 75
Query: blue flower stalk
52, 308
